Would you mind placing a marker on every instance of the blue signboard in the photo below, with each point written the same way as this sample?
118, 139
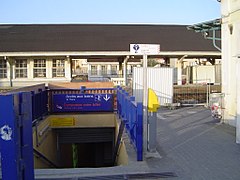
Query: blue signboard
82, 102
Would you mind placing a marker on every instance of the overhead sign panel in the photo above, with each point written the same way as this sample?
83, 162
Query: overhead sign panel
147, 49
82, 102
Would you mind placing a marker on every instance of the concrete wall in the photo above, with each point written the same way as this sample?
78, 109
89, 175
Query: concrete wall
122, 156
89, 120
230, 11
44, 138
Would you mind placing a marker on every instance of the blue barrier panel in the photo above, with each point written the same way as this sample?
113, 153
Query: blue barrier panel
132, 114
10, 140
16, 136
26, 135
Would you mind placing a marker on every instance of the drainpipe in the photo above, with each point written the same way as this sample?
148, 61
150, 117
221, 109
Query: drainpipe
214, 39
125, 70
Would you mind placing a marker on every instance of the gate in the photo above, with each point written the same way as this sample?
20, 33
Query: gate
194, 94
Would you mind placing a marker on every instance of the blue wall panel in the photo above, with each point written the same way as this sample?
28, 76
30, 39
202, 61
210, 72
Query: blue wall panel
16, 137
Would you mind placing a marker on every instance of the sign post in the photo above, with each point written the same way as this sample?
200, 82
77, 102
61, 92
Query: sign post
145, 50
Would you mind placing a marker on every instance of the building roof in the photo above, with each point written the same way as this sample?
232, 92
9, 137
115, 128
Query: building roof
87, 37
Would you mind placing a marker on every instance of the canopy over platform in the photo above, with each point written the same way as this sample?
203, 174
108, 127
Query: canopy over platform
206, 26
211, 30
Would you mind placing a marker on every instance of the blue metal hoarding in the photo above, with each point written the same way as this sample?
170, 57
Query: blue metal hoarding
16, 136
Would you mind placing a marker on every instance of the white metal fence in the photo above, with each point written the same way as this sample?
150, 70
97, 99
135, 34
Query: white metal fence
159, 79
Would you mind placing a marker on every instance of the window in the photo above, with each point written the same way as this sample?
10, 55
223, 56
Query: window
104, 70
93, 70
58, 68
21, 68
113, 69
3, 68
39, 69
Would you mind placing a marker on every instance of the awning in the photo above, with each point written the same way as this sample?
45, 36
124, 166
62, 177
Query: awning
210, 30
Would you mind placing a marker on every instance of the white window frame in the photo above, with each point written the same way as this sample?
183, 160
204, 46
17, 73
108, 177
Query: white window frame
39, 68
114, 71
104, 70
58, 68
94, 71
21, 68
3, 69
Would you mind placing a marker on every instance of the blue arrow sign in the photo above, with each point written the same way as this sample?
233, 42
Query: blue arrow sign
82, 102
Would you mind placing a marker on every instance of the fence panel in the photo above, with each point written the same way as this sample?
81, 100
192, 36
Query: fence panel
194, 94
159, 79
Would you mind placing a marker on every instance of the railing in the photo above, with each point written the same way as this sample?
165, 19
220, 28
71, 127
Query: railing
132, 114
39, 104
39, 99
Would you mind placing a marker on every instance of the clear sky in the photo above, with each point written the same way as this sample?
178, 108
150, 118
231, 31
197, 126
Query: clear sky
108, 11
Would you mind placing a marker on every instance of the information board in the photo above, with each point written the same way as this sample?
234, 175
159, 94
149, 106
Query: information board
82, 102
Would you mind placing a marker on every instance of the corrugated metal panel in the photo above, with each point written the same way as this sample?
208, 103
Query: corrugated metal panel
218, 73
85, 135
159, 79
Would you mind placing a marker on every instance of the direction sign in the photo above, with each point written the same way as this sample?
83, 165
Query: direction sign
147, 49
82, 102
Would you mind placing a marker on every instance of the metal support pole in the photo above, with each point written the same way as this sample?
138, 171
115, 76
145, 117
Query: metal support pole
145, 102
152, 132
125, 71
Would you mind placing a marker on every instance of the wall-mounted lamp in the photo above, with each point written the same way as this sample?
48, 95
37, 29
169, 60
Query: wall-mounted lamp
205, 34
230, 27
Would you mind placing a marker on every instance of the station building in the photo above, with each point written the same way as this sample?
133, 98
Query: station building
44, 53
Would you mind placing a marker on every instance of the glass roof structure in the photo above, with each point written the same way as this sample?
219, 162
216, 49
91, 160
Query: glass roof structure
206, 26
210, 29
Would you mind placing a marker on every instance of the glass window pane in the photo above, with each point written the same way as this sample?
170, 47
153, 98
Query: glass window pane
21, 68
3, 68
58, 68
93, 70
39, 69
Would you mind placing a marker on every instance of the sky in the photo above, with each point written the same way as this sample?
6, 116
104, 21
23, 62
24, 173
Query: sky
185, 12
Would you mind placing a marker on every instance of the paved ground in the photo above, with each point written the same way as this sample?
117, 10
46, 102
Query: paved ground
191, 143
194, 146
